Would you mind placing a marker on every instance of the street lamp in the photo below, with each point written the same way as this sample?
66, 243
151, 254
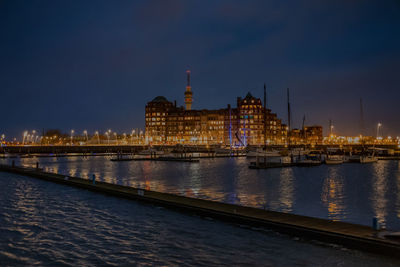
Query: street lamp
85, 133
377, 129
108, 137
132, 133
24, 136
33, 135
72, 135
98, 137
116, 138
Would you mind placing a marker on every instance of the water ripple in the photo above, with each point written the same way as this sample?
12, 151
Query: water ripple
45, 224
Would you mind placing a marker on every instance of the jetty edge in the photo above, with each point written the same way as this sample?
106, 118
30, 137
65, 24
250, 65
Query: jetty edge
349, 235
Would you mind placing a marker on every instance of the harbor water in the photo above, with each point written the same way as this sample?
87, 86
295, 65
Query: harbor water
47, 224
351, 192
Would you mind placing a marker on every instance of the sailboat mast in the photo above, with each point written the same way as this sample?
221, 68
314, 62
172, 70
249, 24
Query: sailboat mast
288, 105
230, 126
265, 116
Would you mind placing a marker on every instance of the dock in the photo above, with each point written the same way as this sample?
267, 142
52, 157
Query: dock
63, 155
268, 165
388, 157
122, 159
345, 234
159, 159
178, 158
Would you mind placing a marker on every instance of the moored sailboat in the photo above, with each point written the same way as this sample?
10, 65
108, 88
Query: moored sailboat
333, 159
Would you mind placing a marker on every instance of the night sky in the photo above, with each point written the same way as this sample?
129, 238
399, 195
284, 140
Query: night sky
94, 64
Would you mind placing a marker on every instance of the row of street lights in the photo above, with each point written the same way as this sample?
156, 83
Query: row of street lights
378, 127
31, 137
108, 134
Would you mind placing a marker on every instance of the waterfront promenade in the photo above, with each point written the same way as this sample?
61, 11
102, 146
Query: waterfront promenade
93, 149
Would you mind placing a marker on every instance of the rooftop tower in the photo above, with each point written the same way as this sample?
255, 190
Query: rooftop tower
188, 93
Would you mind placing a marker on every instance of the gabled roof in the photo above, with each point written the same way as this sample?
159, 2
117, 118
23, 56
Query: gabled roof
249, 96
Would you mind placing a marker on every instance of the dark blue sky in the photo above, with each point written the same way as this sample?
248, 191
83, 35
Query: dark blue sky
94, 64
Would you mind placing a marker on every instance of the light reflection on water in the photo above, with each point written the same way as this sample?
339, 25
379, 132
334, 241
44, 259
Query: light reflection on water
286, 190
379, 188
45, 224
348, 192
333, 194
398, 193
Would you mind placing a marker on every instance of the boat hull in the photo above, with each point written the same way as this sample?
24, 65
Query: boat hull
333, 161
368, 159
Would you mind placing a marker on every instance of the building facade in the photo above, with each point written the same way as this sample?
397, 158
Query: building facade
249, 123
310, 135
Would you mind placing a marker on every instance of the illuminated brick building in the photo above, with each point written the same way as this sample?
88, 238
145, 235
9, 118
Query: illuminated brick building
244, 125
309, 135
251, 126
313, 134
157, 113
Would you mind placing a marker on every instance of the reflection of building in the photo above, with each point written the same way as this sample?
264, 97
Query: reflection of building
250, 123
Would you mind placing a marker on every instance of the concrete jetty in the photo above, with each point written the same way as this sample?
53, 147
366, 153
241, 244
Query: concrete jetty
346, 234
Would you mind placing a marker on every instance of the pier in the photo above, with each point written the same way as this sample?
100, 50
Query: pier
346, 234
